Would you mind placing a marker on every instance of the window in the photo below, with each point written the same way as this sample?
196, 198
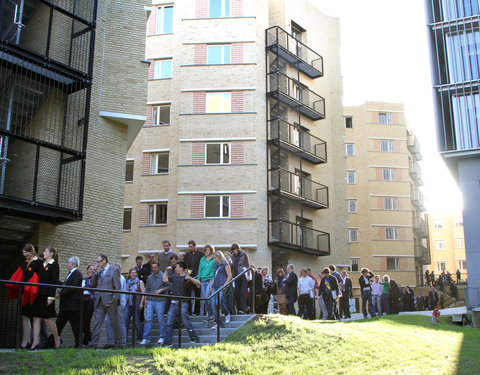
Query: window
466, 120
162, 69
440, 244
352, 205
219, 54
351, 177
390, 203
462, 54
460, 243
159, 163
129, 171
218, 102
462, 264
355, 262
217, 206
386, 146
459, 222
127, 218
441, 266
391, 233
388, 174
393, 264
161, 114
164, 20
157, 213
459, 8
218, 153
349, 149
349, 122
438, 224
353, 234
219, 8
385, 118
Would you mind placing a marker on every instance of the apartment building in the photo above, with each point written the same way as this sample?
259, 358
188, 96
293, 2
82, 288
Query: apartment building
455, 59
243, 140
387, 229
447, 244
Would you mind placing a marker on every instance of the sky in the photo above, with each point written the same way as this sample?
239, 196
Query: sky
385, 57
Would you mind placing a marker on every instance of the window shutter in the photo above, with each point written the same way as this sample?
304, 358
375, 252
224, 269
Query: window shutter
201, 9
148, 122
236, 205
237, 101
144, 214
200, 54
237, 153
150, 70
237, 8
146, 163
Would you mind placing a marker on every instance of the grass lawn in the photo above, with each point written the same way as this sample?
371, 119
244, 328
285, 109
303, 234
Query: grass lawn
275, 344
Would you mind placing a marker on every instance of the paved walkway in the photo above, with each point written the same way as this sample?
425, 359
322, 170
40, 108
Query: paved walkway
443, 312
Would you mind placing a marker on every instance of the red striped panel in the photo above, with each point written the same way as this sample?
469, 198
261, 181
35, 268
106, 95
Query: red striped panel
196, 206
198, 153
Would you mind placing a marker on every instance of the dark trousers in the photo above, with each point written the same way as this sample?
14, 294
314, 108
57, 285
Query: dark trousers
385, 298
313, 315
304, 306
345, 307
328, 300
192, 290
367, 297
74, 318
241, 293
87, 318
291, 305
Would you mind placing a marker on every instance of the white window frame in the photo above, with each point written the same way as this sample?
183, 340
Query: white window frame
387, 145
127, 163
390, 203
392, 233
226, 101
152, 213
224, 54
156, 114
351, 177
347, 118
459, 242
355, 261
349, 149
352, 206
462, 264
438, 224
221, 202
160, 21
439, 265
154, 162
397, 264
223, 8
222, 153
440, 244
388, 174
385, 118
125, 209
352, 234
159, 68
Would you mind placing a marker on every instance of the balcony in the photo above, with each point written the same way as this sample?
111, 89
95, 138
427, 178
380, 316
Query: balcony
294, 52
296, 140
416, 197
420, 226
296, 95
415, 172
298, 237
414, 146
422, 254
298, 188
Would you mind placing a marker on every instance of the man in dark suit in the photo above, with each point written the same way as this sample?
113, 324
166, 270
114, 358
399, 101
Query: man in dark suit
70, 300
432, 298
192, 260
366, 291
291, 286
107, 277
346, 295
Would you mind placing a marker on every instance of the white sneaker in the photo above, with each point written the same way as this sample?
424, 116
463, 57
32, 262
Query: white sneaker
214, 326
227, 319
160, 341
144, 342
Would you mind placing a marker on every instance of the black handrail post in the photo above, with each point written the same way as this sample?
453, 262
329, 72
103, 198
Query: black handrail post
19, 317
134, 317
253, 289
180, 323
218, 316
82, 313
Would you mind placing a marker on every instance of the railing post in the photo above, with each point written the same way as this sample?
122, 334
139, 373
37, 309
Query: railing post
19, 317
253, 290
218, 316
180, 323
82, 313
134, 317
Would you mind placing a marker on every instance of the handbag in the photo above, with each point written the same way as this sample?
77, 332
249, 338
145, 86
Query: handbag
351, 302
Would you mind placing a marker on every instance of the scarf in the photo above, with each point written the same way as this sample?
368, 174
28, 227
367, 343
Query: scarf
132, 286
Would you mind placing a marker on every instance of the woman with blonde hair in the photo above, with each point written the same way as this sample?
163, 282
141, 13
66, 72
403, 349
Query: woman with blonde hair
223, 275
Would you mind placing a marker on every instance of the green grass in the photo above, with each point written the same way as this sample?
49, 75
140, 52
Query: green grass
275, 344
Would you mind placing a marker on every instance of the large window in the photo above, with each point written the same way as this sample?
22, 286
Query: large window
217, 206
453, 9
219, 54
161, 114
388, 174
217, 153
349, 149
157, 213
349, 122
441, 266
385, 118
393, 264
127, 218
162, 69
355, 264
353, 234
392, 233
459, 242
219, 8
351, 177
390, 203
352, 205
463, 51
438, 224
218, 102
440, 244
129, 171
462, 264
466, 113
164, 20
459, 222
159, 163
386, 146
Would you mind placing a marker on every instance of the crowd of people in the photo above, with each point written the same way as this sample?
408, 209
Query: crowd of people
192, 273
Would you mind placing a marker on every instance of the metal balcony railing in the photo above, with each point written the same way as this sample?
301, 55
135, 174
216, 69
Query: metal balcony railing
417, 197
299, 188
414, 146
298, 237
416, 172
295, 139
420, 226
422, 254
296, 95
294, 52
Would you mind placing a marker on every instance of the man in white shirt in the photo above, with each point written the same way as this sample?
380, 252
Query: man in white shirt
306, 293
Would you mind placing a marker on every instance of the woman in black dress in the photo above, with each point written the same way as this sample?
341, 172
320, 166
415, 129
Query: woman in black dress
32, 266
44, 305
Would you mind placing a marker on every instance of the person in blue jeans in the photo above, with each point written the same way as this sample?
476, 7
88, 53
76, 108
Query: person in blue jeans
178, 281
206, 271
154, 305
366, 290
223, 275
